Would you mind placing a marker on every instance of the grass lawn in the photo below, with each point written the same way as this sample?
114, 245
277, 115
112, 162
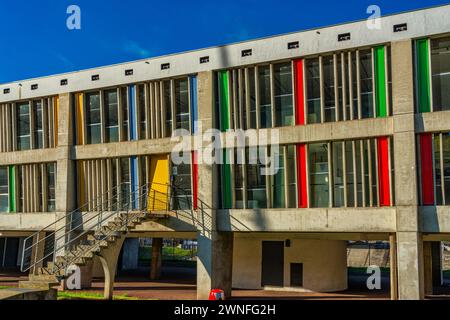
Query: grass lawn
5, 287
68, 295
168, 253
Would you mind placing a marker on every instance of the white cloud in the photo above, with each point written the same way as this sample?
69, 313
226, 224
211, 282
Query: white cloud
133, 47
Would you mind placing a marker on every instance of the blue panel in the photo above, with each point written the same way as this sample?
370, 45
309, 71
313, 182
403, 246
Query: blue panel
194, 104
132, 111
134, 181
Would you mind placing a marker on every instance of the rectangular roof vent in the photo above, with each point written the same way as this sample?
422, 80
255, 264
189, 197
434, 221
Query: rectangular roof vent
34, 86
400, 27
129, 72
95, 77
64, 82
293, 45
344, 36
204, 59
246, 53
165, 66
6, 91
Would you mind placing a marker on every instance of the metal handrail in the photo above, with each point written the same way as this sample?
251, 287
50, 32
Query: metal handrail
65, 218
144, 192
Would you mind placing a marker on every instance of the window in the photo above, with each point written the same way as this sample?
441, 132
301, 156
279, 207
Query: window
338, 174
328, 87
4, 190
265, 97
142, 111
238, 165
168, 108
182, 104
278, 185
252, 98
284, 110
124, 102
93, 124
440, 70
51, 184
350, 171
111, 116
181, 177
23, 126
318, 176
256, 182
437, 165
313, 90
38, 130
291, 175
125, 183
366, 79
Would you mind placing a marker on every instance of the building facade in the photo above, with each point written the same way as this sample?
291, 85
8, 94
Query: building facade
362, 119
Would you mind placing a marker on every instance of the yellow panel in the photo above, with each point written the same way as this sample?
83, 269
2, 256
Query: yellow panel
159, 183
56, 119
79, 118
81, 184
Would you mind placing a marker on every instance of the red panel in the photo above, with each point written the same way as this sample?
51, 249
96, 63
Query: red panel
426, 160
299, 93
194, 180
383, 171
301, 176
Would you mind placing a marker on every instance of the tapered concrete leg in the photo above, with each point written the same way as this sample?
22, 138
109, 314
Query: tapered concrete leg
410, 266
214, 263
108, 258
157, 245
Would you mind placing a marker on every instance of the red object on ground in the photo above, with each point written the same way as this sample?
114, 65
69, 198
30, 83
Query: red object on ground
216, 294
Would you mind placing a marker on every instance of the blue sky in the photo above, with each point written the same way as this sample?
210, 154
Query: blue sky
36, 42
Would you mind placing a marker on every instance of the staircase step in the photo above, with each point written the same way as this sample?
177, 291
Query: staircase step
40, 285
43, 277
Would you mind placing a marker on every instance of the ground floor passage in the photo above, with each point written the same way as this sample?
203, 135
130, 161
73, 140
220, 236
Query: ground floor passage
264, 266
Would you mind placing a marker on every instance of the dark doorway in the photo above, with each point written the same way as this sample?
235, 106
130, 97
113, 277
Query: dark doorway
296, 274
9, 252
272, 263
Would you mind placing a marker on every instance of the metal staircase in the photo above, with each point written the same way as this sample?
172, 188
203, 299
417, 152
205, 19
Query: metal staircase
77, 237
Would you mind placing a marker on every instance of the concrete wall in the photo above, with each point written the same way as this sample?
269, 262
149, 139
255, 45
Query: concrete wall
324, 262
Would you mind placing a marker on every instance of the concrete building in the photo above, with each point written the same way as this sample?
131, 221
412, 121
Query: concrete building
363, 120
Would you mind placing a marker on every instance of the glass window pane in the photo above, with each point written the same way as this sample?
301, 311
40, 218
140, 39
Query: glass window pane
141, 108
440, 70
256, 182
93, 125
365, 57
124, 101
51, 183
318, 177
328, 86
313, 90
446, 158
292, 176
168, 108
111, 116
265, 97
437, 166
338, 174
38, 132
182, 104
4, 190
284, 109
181, 177
278, 186
350, 173
23, 126
238, 181
251, 81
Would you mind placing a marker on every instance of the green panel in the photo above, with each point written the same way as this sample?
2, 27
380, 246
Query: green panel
12, 189
380, 82
224, 101
225, 125
423, 75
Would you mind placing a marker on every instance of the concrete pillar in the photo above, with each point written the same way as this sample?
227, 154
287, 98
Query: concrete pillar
215, 249
108, 258
130, 254
157, 245
409, 237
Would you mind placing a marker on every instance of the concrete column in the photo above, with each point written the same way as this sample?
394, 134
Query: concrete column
215, 249
108, 259
157, 245
130, 254
409, 237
